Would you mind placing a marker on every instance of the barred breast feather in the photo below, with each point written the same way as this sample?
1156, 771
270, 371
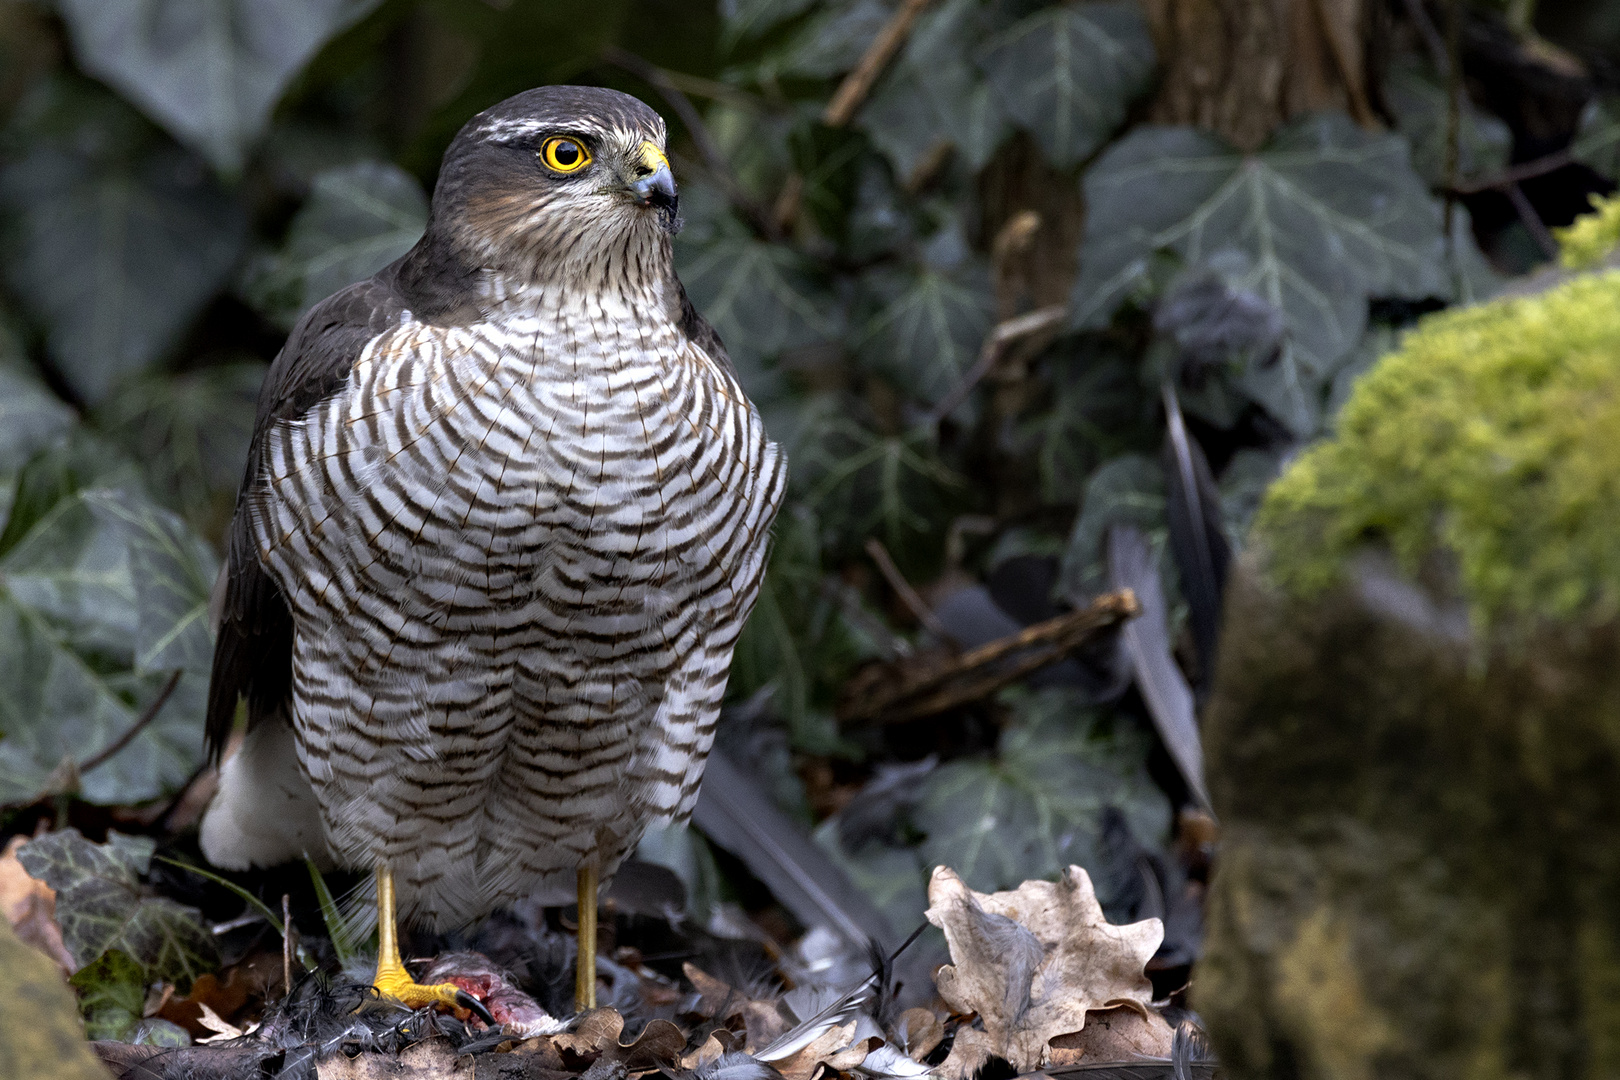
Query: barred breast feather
517, 555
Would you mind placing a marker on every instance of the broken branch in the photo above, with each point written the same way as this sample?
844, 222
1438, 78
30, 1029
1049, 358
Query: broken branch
932, 683
853, 91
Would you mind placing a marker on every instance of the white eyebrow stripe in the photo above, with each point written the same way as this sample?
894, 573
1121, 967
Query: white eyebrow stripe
503, 130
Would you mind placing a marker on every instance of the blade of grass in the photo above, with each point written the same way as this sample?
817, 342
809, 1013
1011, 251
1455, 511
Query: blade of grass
253, 901
269, 916
331, 916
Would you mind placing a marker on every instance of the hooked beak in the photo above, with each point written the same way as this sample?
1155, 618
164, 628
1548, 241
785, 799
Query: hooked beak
654, 185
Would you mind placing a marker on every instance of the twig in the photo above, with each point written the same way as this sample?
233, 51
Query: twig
1532, 222
852, 92
996, 344
286, 946
135, 729
929, 685
908, 596
1512, 175
714, 159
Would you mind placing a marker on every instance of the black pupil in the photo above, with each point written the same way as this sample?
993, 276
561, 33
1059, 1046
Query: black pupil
566, 153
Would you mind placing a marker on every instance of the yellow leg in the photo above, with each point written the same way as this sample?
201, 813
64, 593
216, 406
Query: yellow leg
585, 965
392, 979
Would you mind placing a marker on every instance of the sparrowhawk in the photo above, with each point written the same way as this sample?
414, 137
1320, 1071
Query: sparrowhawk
505, 512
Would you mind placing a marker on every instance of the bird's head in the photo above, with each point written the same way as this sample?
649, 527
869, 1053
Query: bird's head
563, 184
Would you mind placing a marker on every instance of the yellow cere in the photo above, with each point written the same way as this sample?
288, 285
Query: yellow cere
564, 155
652, 157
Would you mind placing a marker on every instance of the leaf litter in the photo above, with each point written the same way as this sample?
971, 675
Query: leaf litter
1038, 978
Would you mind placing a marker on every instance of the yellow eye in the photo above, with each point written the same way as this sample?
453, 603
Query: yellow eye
564, 155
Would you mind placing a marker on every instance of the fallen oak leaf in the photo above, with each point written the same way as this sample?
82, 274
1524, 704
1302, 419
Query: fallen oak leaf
710, 1051
594, 1032
596, 1038
1032, 962
836, 1048
919, 1030
762, 1021
223, 1030
1117, 1034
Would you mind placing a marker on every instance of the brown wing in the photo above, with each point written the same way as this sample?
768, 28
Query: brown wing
253, 652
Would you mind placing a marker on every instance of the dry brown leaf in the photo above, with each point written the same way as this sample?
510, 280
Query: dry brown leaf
1032, 962
718, 1000
919, 1031
594, 1033
834, 1048
538, 1053
1116, 1034
713, 994
597, 1036
29, 905
228, 994
711, 1050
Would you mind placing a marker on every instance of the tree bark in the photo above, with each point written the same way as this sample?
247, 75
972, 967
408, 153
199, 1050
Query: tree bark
1243, 67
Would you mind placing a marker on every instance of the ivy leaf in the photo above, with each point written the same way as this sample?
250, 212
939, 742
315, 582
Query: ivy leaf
928, 326
1129, 490
831, 41
210, 71
1095, 398
190, 432
1323, 217
746, 19
154, 1031
1597, 138
760, 297
31, 417
932, 95
1037, 807
1418, 101
173, 571
100, 591
1067, 73
357, 220
116, 241
112, 995
100, 905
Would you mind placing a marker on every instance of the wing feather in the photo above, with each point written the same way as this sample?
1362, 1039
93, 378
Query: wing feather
253, 650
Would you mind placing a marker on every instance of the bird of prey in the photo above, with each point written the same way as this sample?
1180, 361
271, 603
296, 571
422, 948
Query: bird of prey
506, 510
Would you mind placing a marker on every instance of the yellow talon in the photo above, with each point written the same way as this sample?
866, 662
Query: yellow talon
392, 980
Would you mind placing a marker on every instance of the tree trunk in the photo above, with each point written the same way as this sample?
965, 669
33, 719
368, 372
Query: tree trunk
1242, 67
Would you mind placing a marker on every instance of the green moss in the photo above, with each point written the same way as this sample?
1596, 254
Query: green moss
1589, 238
1492, 436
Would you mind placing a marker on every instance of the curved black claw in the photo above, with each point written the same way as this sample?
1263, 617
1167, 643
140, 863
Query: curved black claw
476, 1007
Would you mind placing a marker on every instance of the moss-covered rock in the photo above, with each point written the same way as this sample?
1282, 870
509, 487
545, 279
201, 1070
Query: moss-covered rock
1414, 743
40, 1033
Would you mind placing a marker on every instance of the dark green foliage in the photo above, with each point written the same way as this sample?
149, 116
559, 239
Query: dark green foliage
162, 227
1321, 219
101, 906
1038, 805
1065, 74
209, 73
102, 595
112, 995
114, 240
358, 218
